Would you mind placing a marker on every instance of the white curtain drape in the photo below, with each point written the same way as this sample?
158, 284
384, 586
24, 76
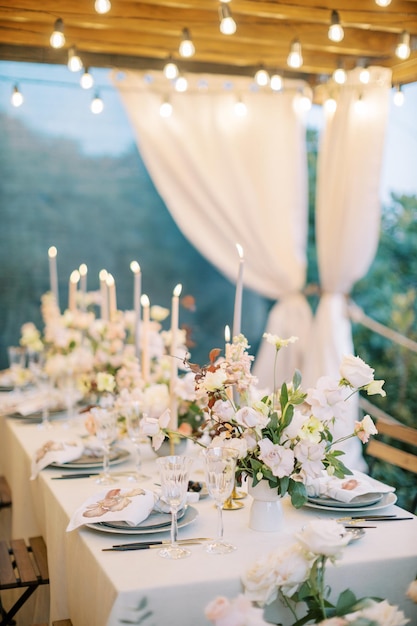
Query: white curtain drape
228, 179
347, 222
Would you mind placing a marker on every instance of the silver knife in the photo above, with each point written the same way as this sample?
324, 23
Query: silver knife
151, 544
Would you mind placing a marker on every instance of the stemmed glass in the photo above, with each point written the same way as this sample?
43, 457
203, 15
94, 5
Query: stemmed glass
220, 466
17, 358
67, 384
106, 432
133, 426
36, 364
174, 472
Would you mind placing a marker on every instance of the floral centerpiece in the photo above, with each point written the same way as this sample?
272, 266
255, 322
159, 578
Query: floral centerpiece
284, 437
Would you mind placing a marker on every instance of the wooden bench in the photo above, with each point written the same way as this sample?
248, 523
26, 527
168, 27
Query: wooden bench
60, 622
22, 566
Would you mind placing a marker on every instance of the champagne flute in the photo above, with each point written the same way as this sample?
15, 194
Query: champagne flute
106, 432
133, 427
174, 472
17, 358
220, 467
36, 364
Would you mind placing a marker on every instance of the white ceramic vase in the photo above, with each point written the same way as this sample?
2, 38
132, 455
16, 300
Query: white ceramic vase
266, 514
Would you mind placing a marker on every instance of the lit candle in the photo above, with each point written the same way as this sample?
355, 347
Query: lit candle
237, 315
229, 389
73, 285
135, 267
83, 283
111, 286
104, 295
144, 300
174, 367
53, 274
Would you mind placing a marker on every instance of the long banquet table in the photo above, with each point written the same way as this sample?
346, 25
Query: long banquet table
97, 588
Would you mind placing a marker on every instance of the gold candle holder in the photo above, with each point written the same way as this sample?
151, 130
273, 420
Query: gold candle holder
231, 504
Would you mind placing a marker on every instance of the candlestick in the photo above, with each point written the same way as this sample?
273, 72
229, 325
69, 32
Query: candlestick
174, 367
237, 315
53, 273
73, 285
135, 267
83, 284
104, 308
111, 286
144, 300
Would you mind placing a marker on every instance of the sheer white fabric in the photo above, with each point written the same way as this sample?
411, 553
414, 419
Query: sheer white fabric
228, 179
347, 222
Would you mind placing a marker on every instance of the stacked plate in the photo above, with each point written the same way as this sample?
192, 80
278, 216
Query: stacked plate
366, 502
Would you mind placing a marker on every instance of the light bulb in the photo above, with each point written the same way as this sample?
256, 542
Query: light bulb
74, 62
86, 81
383, 3
227, 23
97, 105
402, 50
262, 77
240, 108
336, 32
295, 58
304, 103
17, 98
181, 84
339, 76
364, 76
398, 96
165, 110
276, 82
102, 6
170, 70
57, 39
330, 105
187, 48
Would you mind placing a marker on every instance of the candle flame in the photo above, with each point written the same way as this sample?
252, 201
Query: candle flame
227, 334
177, 290
52, 252
75, 277
144, 300
103, 275
135, 267
239, 250
83, 269
110, 280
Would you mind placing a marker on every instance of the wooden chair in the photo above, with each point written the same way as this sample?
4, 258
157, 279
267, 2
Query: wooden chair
22, 566
5, 493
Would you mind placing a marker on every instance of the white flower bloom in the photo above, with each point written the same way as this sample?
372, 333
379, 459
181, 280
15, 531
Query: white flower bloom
327, 399
323, 537
235, 443
279, 459
310, 455
105, 382
365, 429
412, 591
155, 399
381, 613
355, 371
278, 342
375, 387
214, 381
250, 418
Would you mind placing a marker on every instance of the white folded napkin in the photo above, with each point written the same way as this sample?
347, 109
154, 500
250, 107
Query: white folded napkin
347, 488
52, 451
115, 505
31, 401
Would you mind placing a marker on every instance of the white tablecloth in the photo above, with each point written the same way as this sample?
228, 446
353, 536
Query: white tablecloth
97, 588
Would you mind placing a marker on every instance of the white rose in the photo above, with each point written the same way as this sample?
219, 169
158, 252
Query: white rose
356, 371
279, 459
381, 613
214, 380
324, 537
248, 417
260, 581
292, 568
412, 591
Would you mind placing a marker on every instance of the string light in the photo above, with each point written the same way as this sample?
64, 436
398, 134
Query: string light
227, 23
17, 98
339, 76
57, 39
398, 96
170, 69
97, 105
102, 6
262, 77
86, 80
165, 110
330, 105
181, 84
364, 75
336, 32
276, 82
240, 108
187, 48
383, 3
402, 51
74, 62
295, 57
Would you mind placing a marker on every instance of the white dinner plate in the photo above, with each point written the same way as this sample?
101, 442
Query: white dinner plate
387, 500
365, 499
36, 416
189, 516
156, 519
118, 455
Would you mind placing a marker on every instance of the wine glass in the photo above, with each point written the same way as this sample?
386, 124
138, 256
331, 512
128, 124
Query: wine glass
17, 358
220, 466
174, 472
106, 432
133, 426
36, 365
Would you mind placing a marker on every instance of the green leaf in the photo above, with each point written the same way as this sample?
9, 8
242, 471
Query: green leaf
298, 493
345, 602
284, 396
296, 379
